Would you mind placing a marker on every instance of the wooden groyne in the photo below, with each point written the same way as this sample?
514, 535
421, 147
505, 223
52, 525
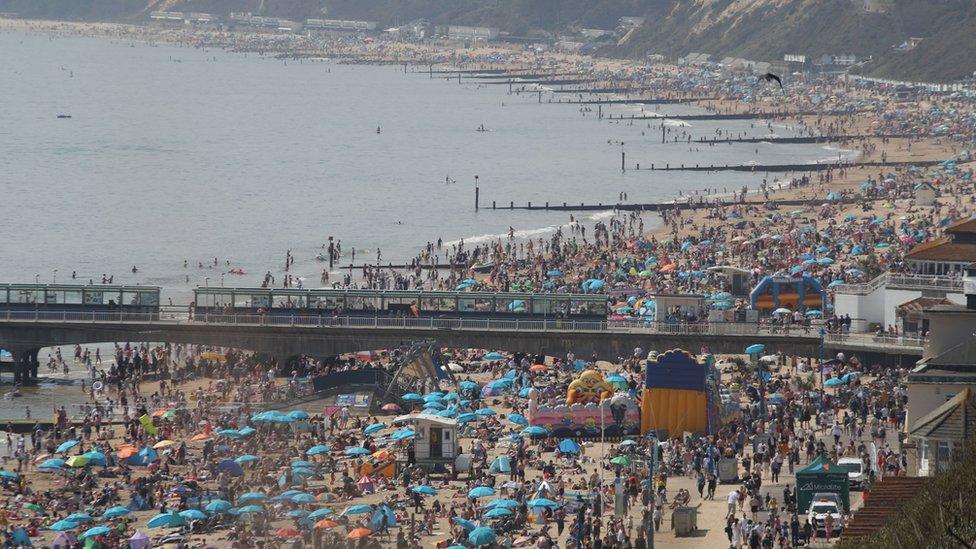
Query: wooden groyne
519, 76
553, 82
800, 139
701, 201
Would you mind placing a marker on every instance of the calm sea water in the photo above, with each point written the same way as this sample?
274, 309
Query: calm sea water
174, 153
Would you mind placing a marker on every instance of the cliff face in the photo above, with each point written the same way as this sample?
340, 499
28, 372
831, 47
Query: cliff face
754, 29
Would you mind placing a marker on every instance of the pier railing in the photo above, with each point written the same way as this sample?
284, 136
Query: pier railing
903, 282
719, 329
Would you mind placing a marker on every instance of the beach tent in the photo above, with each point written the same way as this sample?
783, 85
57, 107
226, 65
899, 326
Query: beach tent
569, 446
376, 521
501, 464
139, 541
143, 457
366, 485
822, 476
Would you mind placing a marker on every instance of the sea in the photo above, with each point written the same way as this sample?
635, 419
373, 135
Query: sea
175, 155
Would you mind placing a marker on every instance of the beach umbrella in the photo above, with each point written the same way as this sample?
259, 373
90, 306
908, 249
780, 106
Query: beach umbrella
251, 496
534, 430
782, 311
464, 523
230, 467
358, 509
481, 492
835, 283
375, 427
63, 525
468, 385
433, 397
541, 502
425, 490
326, 523
96, 531
302, 472
53, 463
825, 261
320, 513
628, 442
518, 419
65, 446
247, 458
356, 451
115, 512
250, 509
298, 415
303, 463
833, 382
554, 272
494, 355
412, 396
486, 412
80, 517
302, 498
755, 349
297, 513
247, 431
193, 514
433, 405
481, 535
524, 392
317, 449
506, 503
166, 520
218, 506
359, 533
498, 512
288, 533
814, 312
12, 475
464, 418
620, 460
403, 434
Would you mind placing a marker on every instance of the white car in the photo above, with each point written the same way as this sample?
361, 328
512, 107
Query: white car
819, 510
855, 471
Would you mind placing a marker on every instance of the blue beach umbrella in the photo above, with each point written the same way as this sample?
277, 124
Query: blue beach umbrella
247, 458
298, 415
218, 506
569, 446
115, 512
297, 513
166, 520
318, 449
835, 283
193, 514
95, 457
251, 496
498, 512
403, 434
302, 498
464, 523
63, 525
541, 502
65, 446
755, 349
320, 513
302, 463
412, 396
53, 463
425, 490
481, 492
518, 419
481, 535
358, 510
465, 418
95, 531
250, 510
356, 451
535, 431
80, 517
833, 382
486, 412
506, 503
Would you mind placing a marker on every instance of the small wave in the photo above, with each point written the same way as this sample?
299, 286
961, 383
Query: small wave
601, 215
523, 234
676, 123
837, 149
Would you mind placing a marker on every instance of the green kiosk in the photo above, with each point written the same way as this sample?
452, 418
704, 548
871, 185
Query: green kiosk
822, 476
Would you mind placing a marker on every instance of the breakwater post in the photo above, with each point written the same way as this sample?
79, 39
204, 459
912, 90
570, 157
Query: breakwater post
477, 193
623, 157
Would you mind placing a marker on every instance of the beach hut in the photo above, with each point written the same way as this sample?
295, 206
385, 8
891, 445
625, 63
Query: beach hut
435, 441
925, 194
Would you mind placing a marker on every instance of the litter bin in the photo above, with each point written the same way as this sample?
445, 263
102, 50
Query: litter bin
684, 520
728, 470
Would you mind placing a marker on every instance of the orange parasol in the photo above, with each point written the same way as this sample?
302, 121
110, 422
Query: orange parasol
326, 523
359, 533
201, 436
127, 451
288, 533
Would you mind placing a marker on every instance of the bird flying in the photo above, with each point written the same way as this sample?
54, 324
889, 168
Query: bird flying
770, 77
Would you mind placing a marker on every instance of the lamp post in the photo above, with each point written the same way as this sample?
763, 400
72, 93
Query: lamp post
37, 279
54, 276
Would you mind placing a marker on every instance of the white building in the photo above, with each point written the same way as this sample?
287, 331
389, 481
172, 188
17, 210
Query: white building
461, 32
436, 440
340, 24
876, 302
